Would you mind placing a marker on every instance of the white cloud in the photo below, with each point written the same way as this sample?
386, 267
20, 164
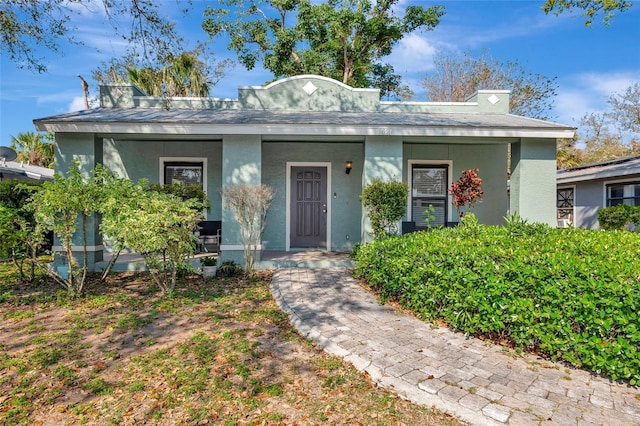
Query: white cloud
77, 104
414, 53
587, 93
55, 97
608, 83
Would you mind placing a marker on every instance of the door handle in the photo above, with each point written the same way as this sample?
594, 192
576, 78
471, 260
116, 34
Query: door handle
324, 208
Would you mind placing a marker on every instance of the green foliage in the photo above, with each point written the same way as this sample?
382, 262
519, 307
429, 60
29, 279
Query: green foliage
208, 261
184, 192
429, 215
16, 195
179, 74
34, 148
20, 239
590, 8
386, 203
157, 225
30, 28
619, 217
59, 206
229, 268
571, 294
343, 40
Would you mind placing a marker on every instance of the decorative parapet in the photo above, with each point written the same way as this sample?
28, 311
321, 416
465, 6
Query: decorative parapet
304, 93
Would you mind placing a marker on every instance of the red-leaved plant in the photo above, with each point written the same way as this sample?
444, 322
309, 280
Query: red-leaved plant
467, 190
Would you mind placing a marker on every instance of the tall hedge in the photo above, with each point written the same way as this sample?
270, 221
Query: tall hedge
571, 294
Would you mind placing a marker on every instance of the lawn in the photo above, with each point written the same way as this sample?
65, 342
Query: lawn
217, 352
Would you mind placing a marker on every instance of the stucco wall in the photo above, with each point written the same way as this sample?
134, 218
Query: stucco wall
533, 184
588, 199
491, 162
344, 191
135, 160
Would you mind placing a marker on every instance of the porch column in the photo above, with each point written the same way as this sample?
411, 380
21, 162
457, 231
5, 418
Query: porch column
533, 180
87, 150
241, 165
382, 160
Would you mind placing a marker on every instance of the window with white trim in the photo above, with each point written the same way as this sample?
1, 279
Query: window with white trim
623, 193
183, 172
429, 187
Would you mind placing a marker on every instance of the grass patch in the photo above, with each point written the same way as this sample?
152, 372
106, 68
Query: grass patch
217, 351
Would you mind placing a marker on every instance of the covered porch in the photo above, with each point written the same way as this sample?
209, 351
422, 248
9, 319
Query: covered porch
133, 262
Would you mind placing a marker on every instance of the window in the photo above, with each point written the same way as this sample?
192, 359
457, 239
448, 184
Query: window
429, 187
565, 203
623, 193
183, 172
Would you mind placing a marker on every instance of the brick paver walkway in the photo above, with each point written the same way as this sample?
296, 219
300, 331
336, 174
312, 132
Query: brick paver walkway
478, 382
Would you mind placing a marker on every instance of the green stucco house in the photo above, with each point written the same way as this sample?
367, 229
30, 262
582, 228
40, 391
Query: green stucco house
317, 142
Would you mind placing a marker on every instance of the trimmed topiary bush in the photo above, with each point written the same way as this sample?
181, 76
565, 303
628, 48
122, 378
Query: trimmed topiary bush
386, 203
571, 294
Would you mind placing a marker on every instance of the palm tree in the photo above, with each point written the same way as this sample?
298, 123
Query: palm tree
33, 148
184, 75
187, 76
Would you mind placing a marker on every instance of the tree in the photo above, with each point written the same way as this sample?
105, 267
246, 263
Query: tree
57, 206
616, 132
20, 238
568, 155
458, 75
466, 191
601, 143
158, 225
341, 39
26, 26
182, 75
626, 109
386, 203
590, 8
34, 148
179, 74
249, 205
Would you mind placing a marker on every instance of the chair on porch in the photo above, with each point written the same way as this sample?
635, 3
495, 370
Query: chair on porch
209, 235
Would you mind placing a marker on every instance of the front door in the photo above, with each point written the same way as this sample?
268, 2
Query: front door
308, 207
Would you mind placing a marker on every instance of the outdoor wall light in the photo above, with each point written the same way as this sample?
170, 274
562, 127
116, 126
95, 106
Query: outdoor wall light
348, 166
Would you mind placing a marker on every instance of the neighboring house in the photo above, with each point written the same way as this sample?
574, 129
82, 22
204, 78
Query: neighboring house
583, 190
11, 170
317, 142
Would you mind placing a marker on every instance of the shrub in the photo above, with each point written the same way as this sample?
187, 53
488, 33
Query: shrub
618, 217
184, 192
466, 191
571, 294
249, 204
386, 203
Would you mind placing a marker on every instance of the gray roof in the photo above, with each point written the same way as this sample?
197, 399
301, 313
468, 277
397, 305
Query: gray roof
624, 167
207, 121
21, 171
261, 117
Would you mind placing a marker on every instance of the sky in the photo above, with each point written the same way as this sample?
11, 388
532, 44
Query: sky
590, 64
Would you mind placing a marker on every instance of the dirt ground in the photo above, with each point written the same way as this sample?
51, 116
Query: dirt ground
218, 352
